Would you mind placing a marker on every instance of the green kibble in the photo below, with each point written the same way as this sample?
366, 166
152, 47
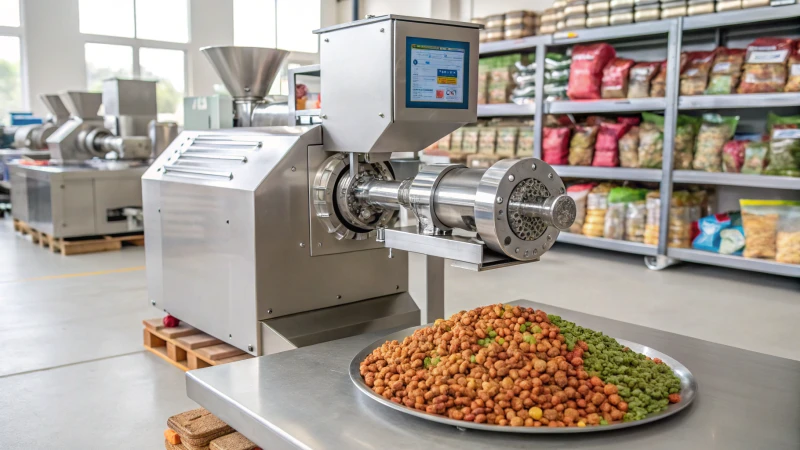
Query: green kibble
536, 329
435, 361
501, 341
492, 334
603, 422
522, 328
481, 342
472, 359
528, 324
426, 362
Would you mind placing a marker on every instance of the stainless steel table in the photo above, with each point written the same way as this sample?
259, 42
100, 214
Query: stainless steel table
304, 399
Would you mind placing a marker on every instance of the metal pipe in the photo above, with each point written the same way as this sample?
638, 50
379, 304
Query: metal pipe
557, 211
454, 199
385, 194
355, 10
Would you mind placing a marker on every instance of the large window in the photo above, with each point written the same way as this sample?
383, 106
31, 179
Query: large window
285, 24
146, 39
11, 98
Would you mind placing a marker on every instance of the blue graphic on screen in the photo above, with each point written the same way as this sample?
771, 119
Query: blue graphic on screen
437, 74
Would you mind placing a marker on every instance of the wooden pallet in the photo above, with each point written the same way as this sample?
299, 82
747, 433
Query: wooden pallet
186, 347
78, 246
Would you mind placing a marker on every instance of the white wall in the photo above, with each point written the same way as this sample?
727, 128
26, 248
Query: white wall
210, 23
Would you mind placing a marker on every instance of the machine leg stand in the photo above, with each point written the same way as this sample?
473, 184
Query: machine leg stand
426, 285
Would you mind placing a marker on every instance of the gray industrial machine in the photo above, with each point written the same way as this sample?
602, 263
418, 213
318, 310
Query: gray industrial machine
281, 237
248, 73
34, 137
92, 183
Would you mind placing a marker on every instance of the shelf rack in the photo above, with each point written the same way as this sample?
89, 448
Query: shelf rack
507, 110
713, 27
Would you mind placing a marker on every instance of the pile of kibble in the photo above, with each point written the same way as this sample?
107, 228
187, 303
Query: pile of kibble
508, 365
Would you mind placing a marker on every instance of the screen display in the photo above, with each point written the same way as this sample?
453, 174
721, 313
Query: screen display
437, 74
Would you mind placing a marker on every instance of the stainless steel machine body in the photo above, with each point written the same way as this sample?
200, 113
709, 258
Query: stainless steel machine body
280, 237
34, 137
81, 193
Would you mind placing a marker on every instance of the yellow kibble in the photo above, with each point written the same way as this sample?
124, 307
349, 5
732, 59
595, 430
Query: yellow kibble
535, 413
581, 424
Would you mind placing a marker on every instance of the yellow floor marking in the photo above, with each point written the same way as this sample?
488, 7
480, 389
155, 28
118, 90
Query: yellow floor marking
75, 275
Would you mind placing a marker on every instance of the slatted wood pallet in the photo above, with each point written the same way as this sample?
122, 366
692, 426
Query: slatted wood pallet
186, 347
78, 246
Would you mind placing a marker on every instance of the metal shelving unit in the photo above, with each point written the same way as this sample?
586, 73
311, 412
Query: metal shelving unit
776, 100
735, 262
608, 244
609, 173
507, 110
606, 106
709, 29
735, 179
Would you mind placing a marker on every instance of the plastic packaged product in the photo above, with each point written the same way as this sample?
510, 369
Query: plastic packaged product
598, 7
640, 3
595, 21
714, 133
556, 76
525, 141
787, 244
703, 8
469, 144
635, 221
729, 5
575, 10
555, 91
620, 17
755, 158
487, 140
765, 65
614, 224
579, 193
518, 31
630, 120
760, 221
493, 34
574, 23
618, 4
675, 11
559, 4
615, 78
754, 3
606, 148
641, 75
506, 141
732, 240
581, 146
685, 132
456, 139
784, 146
547, 29
556, 61
444, 143
596, 207
597, 120
586, 71
500, 92
711, 228
560, 25
555, 146
646, 14
495, 21
651, 141
525, 18
793, 82
629, 148
733, 156
651, 228
658, 87
694, 77
726, 71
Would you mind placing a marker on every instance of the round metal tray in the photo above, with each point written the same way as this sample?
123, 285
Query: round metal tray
688, 393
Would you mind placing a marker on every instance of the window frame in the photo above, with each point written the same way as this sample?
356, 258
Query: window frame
138, 43
19, 33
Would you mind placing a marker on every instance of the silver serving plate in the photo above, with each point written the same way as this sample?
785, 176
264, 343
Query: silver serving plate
688, 393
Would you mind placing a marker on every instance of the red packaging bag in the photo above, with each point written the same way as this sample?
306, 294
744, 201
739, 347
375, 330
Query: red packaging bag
586, 71
606, 150
629, 120
765, 65
733, 156
555, 146
615, 78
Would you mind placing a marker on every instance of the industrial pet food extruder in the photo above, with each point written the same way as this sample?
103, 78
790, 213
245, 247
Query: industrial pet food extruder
283, 241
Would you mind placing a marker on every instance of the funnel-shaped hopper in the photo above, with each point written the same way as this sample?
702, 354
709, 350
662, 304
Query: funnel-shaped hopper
247, 72
56, 107
82, 104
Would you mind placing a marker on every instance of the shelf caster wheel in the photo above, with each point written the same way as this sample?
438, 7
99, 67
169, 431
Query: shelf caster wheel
659, 262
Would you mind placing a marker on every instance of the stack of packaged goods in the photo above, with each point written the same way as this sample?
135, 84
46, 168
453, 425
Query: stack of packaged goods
697, 7
525, 81
673, 8
579, 193
619, 200
686, 208
636, 217
556, 75
493, 28
550, 19
596, 209
519, 24
575, 15
597, 13
772, 230
620, 12
646, 10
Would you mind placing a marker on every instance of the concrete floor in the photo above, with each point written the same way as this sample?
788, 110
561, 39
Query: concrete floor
73, 371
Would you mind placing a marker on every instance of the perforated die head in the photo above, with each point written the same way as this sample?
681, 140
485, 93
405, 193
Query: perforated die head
520, 208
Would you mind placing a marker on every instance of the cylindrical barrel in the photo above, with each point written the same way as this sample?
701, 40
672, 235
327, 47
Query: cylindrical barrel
558, 211
385, 194
126, 147
161, 135
454, 199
